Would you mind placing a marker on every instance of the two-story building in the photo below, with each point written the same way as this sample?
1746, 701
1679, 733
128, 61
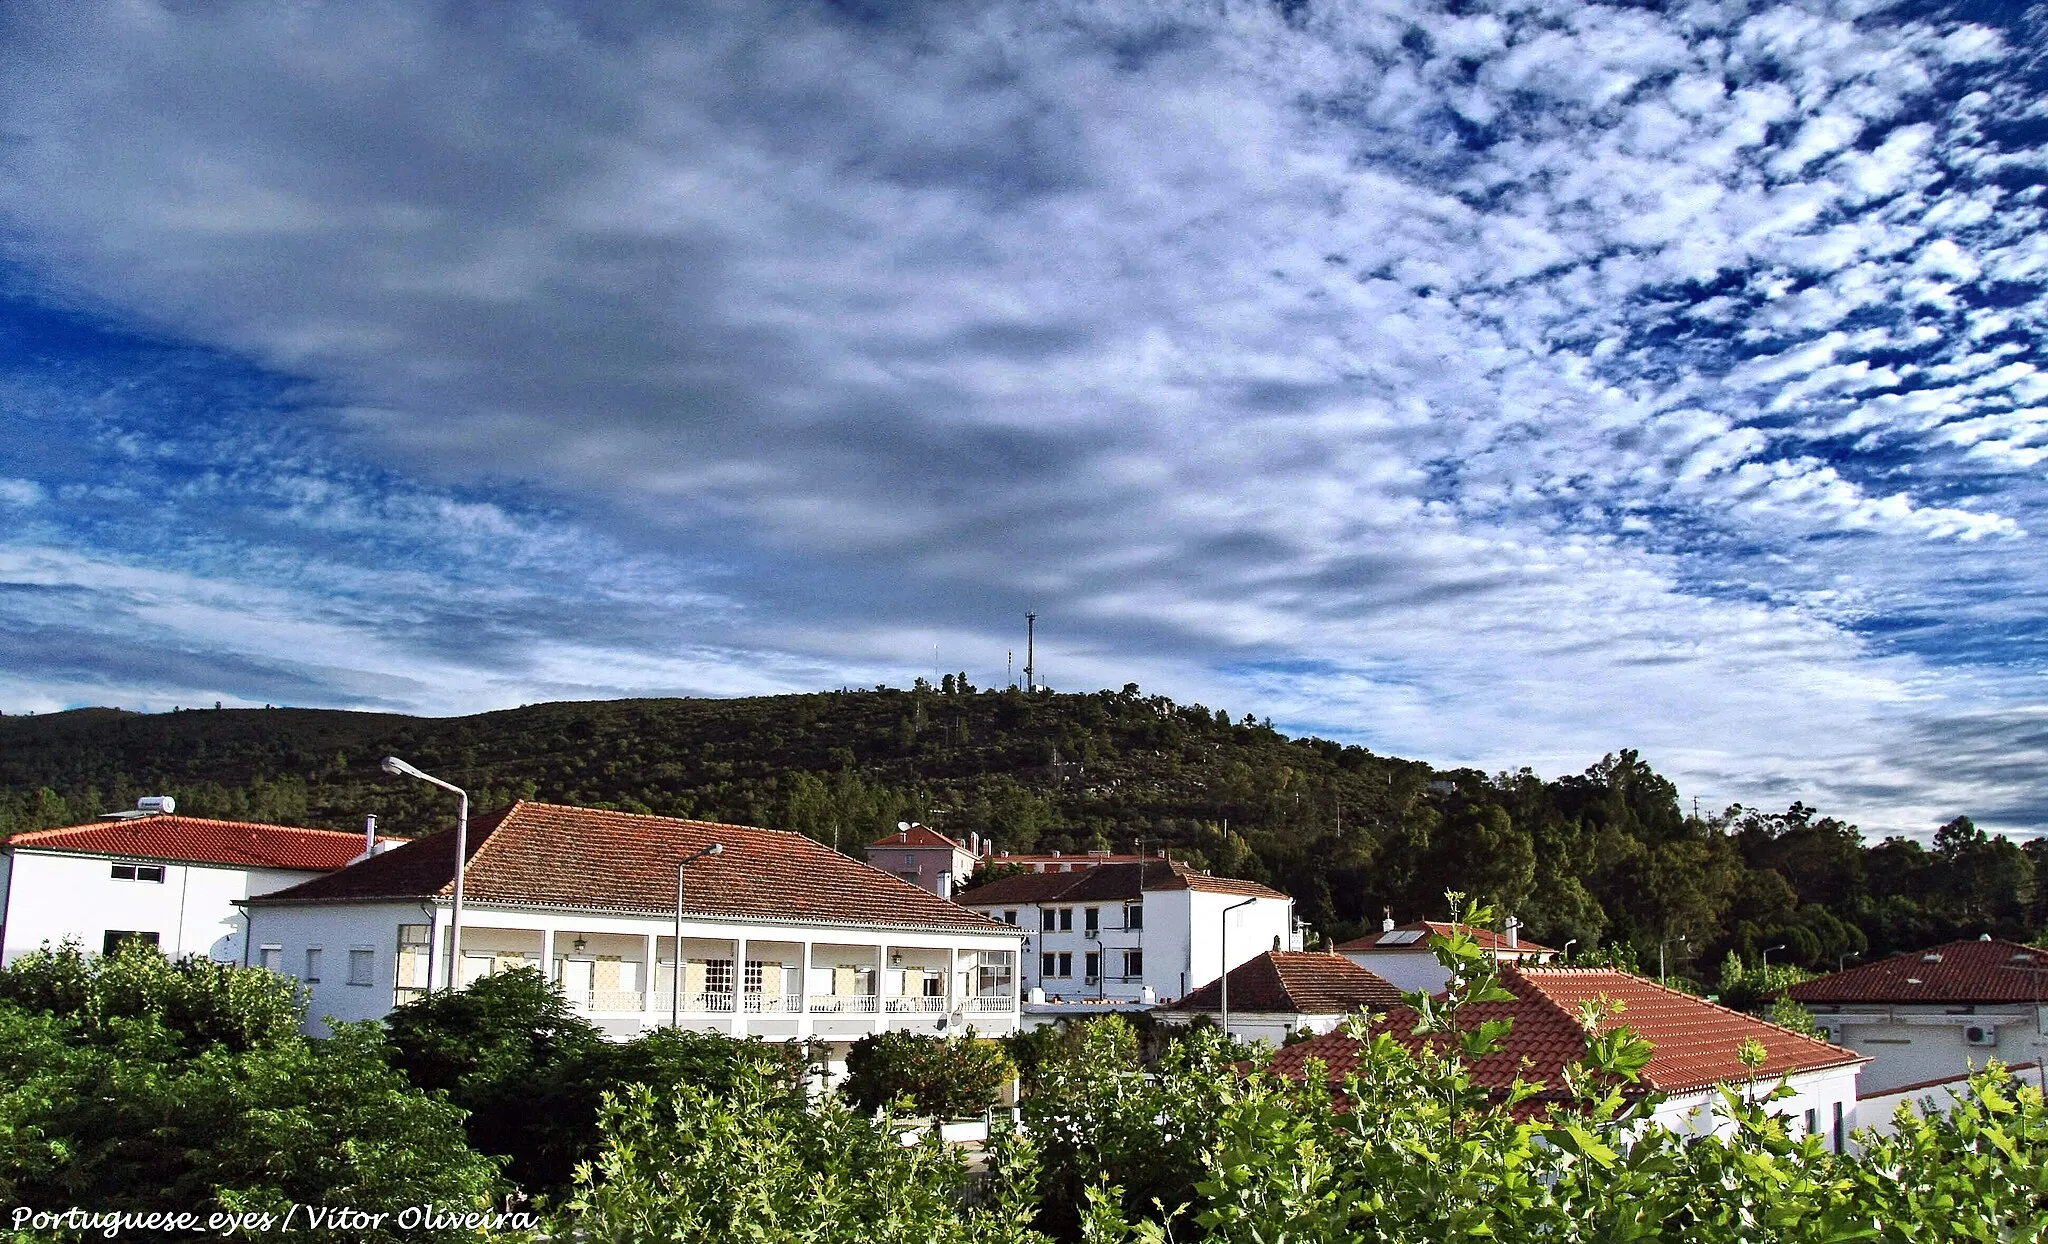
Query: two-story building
927, 858
154, 876
1283, 993
1930, 1016
782, 938
1140, 932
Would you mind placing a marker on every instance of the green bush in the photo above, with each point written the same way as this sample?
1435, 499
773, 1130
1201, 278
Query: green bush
139, 1086
940, 1077
755, 1161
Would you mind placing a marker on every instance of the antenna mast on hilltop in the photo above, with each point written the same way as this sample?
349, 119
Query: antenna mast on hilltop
1030, 652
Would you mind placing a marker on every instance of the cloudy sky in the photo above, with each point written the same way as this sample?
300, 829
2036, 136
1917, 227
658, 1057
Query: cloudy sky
1488, 384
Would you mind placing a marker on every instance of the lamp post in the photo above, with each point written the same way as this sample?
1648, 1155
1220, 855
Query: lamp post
675, 994
1767, 956
1224, 980
1566, 954
1680, 940
394, 765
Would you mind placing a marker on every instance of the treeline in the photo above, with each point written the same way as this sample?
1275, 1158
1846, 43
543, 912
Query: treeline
1608, 858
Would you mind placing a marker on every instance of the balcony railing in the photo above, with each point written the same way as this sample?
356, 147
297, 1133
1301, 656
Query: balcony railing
843, 1004
774, 1003
612, 1000
989, 1002
917, 1004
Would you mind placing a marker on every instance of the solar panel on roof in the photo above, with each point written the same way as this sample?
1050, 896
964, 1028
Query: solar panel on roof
1401, 937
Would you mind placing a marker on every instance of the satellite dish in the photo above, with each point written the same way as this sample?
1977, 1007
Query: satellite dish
903, 825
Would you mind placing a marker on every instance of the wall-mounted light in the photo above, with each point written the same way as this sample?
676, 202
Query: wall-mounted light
579, 944
896, 959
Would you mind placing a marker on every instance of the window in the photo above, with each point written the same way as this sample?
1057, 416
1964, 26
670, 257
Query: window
112, 941
1066, 964
1047, 964
414, 953
1093, 922
934, 985
1048, 919
1066, 920
1093, 964
362, 965
271, 958
1838, 1127
718, 976
1056, 966
1812, 1122
754, 975
139, 872
1134, 916
1009, 917
312, 973
1134, 964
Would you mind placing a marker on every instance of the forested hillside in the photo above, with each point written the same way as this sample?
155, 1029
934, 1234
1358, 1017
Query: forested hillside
1606, 856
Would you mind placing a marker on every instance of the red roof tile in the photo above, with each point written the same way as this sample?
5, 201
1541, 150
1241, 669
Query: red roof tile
1301, 982
1695, 1041
198, 840
1401, 938
1954, 973
547, 855
1108, 883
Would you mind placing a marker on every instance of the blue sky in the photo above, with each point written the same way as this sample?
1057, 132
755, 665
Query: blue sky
1489, 384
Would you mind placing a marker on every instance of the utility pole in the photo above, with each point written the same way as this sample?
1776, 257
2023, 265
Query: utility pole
1031, 652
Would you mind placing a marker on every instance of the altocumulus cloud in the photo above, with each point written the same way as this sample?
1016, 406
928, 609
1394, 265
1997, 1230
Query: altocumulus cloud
1497, 387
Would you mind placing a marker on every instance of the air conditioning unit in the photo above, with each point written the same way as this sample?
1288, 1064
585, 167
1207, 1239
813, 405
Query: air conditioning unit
1829, 1033
1980, 1034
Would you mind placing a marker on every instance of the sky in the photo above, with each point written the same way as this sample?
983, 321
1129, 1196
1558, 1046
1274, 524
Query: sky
1487, 384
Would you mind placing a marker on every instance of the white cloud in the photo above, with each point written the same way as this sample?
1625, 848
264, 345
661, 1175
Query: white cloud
1500, 358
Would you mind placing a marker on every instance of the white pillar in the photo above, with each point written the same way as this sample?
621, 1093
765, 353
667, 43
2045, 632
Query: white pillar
649, 966
547, 952
882, 987
952, 979
739, 986
804, 1024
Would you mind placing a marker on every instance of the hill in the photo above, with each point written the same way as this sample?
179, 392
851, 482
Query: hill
1603, 856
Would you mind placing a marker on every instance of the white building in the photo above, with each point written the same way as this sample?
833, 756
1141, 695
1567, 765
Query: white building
781, 938
1280, 993
1694, 1045
1401, 952
172, 881
927, 858
1136, 933
1930, 1016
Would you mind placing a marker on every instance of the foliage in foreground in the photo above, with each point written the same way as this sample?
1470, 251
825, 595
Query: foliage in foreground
940, 1078
132, 1083
758, 1162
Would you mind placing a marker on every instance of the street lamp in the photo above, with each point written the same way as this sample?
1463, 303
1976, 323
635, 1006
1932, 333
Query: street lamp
1225, 979
675, 996
1767, 955
1566, 955
394, 765
1680, 940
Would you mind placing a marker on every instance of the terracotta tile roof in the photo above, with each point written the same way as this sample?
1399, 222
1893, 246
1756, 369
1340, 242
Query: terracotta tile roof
1954, 973
198, 840
547, 855
1414, 936
1301, 982
1108, 883
1695, 1041
916, 836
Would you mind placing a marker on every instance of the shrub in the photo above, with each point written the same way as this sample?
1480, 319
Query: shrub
199, 1002
945, 1078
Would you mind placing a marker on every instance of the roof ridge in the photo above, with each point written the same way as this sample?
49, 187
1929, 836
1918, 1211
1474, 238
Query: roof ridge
661, 816
24, 835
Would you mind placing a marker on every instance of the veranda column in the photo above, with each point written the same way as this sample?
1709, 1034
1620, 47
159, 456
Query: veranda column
739, 986
650, 972
547, 953
881, 987
804, 1025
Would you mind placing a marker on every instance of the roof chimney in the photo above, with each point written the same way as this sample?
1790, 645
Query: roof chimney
1514, 933
369, 835
1386, 920
974, 845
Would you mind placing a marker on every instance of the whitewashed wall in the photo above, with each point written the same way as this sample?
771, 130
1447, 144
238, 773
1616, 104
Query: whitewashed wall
52, 897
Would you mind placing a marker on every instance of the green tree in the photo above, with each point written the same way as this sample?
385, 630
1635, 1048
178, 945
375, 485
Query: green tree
939, 1077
